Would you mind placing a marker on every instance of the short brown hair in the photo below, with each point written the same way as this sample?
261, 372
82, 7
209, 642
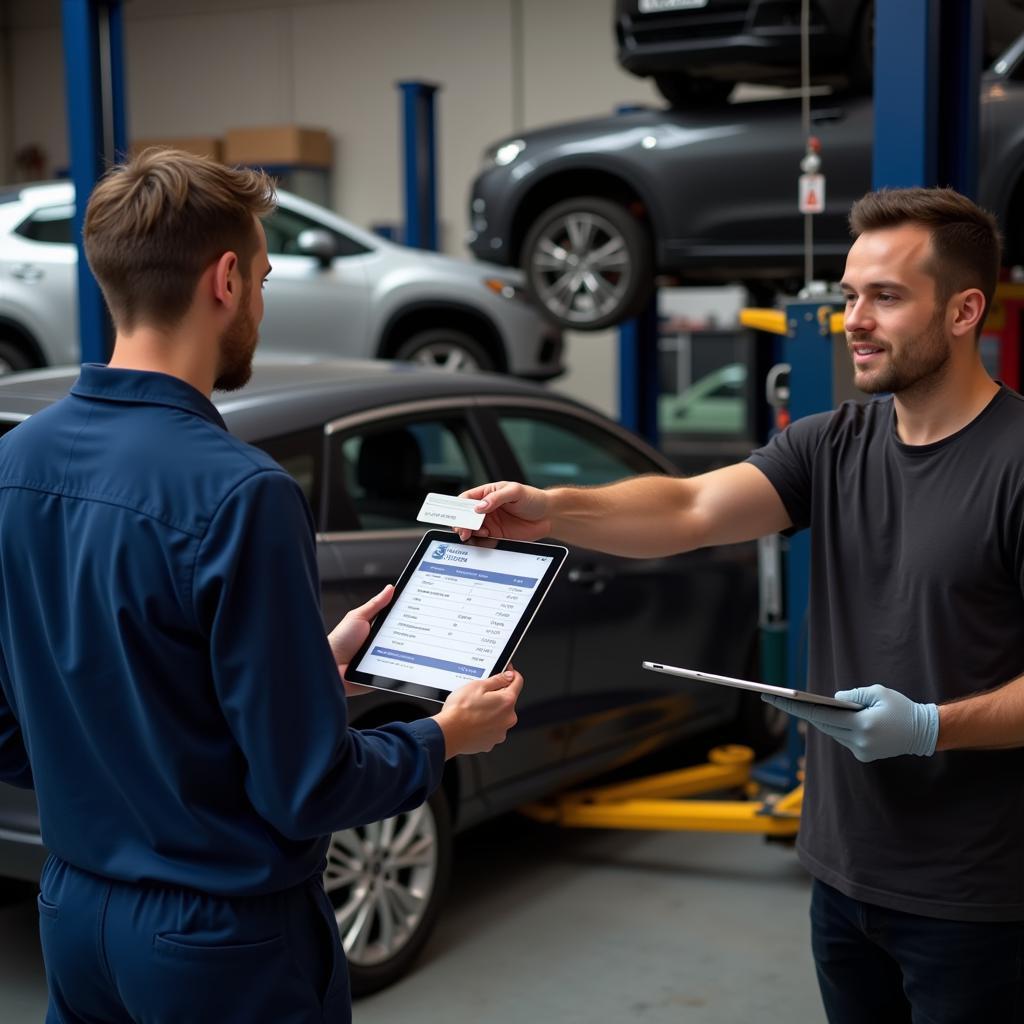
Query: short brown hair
155, 223
966, 248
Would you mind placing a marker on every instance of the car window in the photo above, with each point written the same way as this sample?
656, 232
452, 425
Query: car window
554, 449
387, 469
300, 455
284, 226
50, 224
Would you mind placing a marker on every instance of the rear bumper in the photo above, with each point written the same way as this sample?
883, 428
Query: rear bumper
722, 37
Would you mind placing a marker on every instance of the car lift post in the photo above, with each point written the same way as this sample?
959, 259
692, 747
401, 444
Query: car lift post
420, 148
638, 372
94, 73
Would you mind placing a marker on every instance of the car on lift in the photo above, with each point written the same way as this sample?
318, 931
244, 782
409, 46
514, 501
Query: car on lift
336, 290
366, 440
594, 210
696, 50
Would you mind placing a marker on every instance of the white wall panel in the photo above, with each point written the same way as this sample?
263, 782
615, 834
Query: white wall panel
200, 73
6, 104
37, 76
348, 57
569, 66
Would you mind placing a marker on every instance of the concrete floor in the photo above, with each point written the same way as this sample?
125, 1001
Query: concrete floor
555, 927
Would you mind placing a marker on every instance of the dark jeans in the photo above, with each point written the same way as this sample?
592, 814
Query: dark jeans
879, 966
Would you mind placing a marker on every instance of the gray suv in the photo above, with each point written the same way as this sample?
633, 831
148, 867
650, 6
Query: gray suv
594, 210
336, 290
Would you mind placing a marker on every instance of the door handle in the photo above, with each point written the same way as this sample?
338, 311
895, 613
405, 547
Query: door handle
594, 577
27, 272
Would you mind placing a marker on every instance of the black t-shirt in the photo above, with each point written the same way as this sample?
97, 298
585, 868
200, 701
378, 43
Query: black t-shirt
917, 583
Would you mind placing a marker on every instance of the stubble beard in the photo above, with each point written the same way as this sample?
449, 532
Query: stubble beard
915, 369
237, 345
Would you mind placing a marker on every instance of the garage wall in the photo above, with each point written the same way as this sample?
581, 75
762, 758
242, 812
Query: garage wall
202, 66
6, 102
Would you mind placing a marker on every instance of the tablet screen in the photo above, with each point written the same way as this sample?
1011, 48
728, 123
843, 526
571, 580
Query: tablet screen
459, 611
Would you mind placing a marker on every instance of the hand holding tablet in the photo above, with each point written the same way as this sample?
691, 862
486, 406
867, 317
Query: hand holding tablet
458, 614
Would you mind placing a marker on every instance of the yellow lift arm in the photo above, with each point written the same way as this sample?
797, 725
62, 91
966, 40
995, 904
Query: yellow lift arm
657, 802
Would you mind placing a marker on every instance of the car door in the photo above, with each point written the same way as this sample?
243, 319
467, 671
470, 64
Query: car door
38, 279
312, 308
694, 610
379, 467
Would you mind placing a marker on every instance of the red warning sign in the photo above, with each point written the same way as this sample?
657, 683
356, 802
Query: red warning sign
812, 193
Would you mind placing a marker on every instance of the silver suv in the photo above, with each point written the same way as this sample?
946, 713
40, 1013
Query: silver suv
336, 290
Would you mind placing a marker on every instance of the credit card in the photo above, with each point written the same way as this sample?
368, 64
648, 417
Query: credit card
445, 510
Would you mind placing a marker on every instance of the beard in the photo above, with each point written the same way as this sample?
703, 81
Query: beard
237, 345
917, 365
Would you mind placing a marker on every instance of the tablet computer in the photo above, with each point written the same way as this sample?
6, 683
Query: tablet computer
746, 684
458, 613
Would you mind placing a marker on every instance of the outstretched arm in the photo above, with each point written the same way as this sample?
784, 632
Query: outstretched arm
640, 517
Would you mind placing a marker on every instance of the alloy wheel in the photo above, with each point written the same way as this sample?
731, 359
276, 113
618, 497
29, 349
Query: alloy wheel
581, 267
442, 355
380, 878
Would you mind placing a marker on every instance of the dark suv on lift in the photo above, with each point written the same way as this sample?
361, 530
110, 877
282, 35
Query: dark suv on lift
593, 210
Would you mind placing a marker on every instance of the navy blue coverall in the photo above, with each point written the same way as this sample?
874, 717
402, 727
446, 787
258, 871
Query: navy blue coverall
168, 690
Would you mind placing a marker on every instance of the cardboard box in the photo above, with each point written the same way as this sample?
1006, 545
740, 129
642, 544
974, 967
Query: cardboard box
202, 145
278, 145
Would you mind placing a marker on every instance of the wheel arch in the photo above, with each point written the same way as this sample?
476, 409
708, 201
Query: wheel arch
426, 315
384, 714
23, 338
565, 184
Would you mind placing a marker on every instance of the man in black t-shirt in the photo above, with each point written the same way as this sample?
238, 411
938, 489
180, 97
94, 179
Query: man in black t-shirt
913, 817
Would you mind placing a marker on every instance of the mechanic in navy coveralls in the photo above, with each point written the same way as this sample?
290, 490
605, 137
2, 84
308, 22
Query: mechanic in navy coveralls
167, 687
913, 815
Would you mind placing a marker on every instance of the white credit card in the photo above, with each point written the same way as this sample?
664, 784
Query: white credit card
444, 510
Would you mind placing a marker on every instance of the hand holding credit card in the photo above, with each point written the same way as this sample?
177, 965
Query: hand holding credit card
445, 510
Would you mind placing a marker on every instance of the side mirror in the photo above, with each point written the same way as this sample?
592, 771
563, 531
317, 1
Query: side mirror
317, 243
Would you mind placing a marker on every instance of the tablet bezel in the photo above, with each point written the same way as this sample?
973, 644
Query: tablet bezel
748, 684
556, 552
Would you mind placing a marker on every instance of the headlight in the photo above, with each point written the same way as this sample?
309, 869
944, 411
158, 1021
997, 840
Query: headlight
502, 155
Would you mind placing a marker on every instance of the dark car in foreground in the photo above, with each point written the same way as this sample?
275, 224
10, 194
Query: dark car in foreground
593, 210
366, 441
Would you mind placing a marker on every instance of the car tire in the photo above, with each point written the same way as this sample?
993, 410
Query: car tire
13, 358
684, 91
445, 348
387, 882
557, 275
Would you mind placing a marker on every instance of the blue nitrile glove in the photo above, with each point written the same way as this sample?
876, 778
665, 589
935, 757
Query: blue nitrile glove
888, 725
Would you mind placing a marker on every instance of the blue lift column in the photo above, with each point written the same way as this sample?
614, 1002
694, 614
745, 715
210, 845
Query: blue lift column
419, 137
94, 73
638, 372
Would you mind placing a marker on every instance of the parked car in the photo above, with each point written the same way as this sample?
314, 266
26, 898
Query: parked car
336, 291
366, 440
593, 210
695, 50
